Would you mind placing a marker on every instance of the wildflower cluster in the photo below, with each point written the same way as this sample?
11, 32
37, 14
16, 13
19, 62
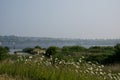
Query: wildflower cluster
78, 67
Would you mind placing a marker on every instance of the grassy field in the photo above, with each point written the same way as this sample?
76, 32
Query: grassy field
67, 63
6, 77
42, 68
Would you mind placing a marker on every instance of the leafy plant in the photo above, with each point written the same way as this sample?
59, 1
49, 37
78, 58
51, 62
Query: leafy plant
51, 51
3, 52
28, 50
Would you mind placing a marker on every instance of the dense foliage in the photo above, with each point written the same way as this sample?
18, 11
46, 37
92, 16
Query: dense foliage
73, 49
66, 63
100, 54
39, 47
117, 49
3, 52
41, 68
101, 49
28, 50
51, 51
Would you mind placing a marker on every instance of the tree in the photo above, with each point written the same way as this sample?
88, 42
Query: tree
52, 50
3, 52
38, 47
117, 53
115, 58
28, 50
7, 48
117, 49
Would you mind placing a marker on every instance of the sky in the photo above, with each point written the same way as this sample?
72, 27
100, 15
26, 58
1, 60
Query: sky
83, 19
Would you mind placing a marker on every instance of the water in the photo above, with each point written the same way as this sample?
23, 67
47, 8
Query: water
14, 50
18, 45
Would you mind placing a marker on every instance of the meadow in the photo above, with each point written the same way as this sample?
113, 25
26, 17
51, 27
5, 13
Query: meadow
42, 68
68, 63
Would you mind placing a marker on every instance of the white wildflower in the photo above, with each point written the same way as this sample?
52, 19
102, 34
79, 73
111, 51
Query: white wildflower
102, 66
76, 70
119, 74
30, 57
80, 60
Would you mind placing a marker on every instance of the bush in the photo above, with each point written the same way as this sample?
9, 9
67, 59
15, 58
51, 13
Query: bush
97, 58
38, 47
117, 49
52, 50
28, 50
71, 49
3, 52
7, 48
101, 49
115, 57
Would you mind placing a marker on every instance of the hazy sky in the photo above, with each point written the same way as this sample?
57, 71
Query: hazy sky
60, 18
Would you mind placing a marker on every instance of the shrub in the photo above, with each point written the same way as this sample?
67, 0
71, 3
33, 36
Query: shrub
98, 58
116, 56
52, 50
7, 48
38, 47
70, 49
3, 52
101, 49
28, 50
117, 49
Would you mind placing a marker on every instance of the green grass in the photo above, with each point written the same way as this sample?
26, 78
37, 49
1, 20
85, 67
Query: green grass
41, 68
35, 72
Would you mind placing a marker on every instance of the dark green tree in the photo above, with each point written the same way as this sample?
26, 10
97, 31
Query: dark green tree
28, 50
3, 52
116, 57
117, 49
38, 47
51, 51
7, 48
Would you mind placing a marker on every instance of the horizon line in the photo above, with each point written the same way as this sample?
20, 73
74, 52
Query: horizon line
61, 37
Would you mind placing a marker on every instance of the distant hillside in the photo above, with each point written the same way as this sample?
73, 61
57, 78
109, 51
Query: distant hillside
22, 42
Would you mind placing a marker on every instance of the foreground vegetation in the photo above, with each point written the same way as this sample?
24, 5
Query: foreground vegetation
41, 68
67, 63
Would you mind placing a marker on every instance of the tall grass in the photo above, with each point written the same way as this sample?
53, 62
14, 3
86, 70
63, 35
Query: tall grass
40, 68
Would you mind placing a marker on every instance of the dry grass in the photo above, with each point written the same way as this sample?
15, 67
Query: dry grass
6, 77
114, 68
42, 68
